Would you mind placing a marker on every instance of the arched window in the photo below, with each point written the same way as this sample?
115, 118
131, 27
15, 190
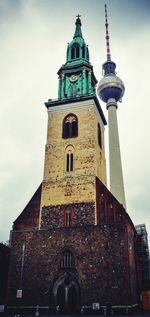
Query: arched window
67, 261
99, 136
70, 127
75, 51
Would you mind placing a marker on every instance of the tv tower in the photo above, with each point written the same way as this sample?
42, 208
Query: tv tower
111, 90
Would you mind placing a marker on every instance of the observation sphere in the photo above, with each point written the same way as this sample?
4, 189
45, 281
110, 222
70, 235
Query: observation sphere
110, 86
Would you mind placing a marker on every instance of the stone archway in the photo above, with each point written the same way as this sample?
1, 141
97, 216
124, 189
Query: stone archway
66, 294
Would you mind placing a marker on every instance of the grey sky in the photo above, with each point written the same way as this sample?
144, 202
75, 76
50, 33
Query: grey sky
33, 42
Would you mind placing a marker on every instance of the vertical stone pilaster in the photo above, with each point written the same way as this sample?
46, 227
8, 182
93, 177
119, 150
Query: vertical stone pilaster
89, 82
59, 88
84, 82
62, 86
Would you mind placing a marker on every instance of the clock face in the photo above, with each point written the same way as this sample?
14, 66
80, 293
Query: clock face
73, 78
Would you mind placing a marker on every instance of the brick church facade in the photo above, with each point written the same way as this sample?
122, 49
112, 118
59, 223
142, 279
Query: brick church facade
74, 244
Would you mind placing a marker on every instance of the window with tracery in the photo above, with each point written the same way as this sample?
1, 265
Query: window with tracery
67, 261
70, 127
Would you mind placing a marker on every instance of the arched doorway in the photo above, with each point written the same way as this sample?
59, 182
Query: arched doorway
66, 294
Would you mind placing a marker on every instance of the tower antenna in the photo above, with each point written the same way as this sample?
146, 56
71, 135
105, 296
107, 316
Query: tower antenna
107, 35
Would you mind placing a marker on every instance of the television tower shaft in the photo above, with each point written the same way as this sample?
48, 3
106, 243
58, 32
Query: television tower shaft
111, 90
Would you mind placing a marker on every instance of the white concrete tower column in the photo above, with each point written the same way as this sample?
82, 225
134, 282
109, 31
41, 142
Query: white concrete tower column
115, 165
111, 90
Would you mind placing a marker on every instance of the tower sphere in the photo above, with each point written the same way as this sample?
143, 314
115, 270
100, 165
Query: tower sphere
110, 86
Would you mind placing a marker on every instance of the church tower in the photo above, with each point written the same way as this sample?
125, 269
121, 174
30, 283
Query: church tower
72, 247
75, 151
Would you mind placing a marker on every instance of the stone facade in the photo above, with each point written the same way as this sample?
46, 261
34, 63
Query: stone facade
54, 217
101, 264
103, 255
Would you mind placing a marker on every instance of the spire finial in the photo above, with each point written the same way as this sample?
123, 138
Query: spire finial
78, 32
107, 35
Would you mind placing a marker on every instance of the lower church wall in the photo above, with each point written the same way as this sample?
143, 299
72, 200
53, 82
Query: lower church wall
54, 216
100, 266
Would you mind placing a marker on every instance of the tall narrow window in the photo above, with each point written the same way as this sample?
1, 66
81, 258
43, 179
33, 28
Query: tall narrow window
99, 136
77, 52
70, 127
68, 218
69, 162
73, 53
67, 260
83, 51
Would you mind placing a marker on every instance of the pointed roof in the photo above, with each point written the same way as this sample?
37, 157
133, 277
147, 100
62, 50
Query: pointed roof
78, 38
78, 32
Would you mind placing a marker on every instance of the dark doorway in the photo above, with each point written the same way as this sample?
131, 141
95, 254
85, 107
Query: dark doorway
66, 295
61, 299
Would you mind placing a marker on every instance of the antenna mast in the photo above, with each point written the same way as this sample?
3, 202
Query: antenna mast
107, 36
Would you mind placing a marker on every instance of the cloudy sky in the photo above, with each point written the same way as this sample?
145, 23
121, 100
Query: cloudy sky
33, 42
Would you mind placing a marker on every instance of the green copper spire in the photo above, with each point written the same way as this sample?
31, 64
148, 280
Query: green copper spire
77, 50
78, 32
76, 77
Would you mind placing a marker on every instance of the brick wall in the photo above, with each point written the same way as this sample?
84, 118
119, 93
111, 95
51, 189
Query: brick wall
81, 214
101, 264
29, 217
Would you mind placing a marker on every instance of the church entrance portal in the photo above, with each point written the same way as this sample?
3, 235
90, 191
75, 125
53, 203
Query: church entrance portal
66, 294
